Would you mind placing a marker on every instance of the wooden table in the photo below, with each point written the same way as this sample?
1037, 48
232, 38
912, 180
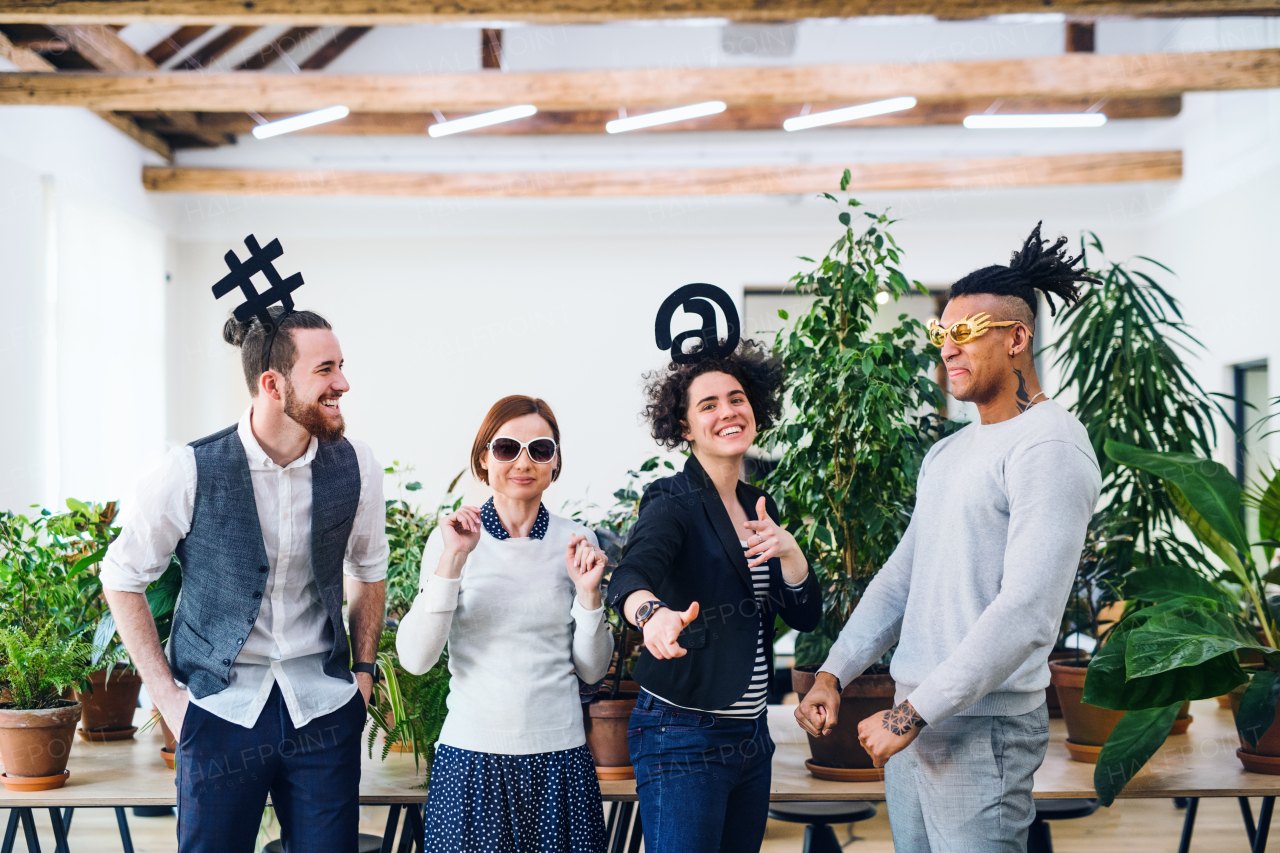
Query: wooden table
1201, 763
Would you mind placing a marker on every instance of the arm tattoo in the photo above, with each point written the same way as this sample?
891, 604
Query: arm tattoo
1024, 399
902, 719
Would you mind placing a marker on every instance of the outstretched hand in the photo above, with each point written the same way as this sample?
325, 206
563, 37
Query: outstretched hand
662, 631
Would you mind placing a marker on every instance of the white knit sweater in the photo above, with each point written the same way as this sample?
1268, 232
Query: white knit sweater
517, 635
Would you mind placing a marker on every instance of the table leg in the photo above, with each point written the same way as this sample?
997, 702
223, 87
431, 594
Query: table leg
624, 823
67, 814
610, 821
389, 836
59, 831
1246, 812
10, 832
29, 830
1264, 824
417, 816
1188, 824
637, 834
126, 838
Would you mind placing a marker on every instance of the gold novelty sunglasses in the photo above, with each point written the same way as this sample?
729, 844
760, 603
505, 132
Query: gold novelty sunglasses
967, 329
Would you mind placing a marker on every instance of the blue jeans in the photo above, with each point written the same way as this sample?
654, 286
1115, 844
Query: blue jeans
313, 775
703, 781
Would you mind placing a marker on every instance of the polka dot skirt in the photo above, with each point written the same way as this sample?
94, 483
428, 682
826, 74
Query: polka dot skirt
481, 802
489, 518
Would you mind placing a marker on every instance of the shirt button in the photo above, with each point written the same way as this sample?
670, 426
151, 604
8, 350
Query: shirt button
257, 595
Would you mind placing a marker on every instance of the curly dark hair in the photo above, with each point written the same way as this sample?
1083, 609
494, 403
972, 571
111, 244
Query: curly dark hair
667, 390
1036, 266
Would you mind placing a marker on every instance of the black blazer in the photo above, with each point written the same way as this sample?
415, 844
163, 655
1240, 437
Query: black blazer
684, 549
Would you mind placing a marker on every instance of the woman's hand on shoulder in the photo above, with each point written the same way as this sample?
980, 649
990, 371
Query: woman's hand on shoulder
461, 530
586, 564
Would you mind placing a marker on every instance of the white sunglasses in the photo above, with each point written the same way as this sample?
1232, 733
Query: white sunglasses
507, 449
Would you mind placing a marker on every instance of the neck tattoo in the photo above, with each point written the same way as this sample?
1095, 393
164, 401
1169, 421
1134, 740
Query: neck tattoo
1023, 399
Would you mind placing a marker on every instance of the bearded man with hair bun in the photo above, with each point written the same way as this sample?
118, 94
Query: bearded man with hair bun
268, 518
974, 594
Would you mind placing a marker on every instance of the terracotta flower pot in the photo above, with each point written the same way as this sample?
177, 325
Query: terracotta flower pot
35, 744
109, 705
1088, 726
838, 756
1051, 692
606, 721
170, 742
1265, 757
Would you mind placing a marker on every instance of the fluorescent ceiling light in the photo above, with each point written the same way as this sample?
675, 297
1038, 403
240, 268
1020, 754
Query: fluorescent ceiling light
874, 108
708, 108
458, 125
1001, 122
288, 125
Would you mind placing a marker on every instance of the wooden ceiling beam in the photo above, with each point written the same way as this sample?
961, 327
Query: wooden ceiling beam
332, 49
1068, 75
213, 50
172, 45
991, 173
29, 60
276, 49
362, 12
734, 118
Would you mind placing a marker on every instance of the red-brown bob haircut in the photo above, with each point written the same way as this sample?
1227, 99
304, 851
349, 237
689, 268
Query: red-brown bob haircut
505, 410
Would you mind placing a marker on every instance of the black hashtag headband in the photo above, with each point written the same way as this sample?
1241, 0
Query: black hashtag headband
697, 299
255, 303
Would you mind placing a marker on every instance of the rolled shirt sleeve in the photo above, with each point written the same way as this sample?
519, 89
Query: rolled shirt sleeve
367, 549
152, 524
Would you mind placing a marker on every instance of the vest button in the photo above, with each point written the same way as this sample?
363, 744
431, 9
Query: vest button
226, 662
224, 681
257, 595
250, 620
240, 642
263, 569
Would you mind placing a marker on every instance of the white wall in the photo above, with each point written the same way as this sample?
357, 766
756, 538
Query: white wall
83, 282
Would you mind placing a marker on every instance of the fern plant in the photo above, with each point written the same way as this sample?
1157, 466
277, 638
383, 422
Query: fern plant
415, 705
38, 667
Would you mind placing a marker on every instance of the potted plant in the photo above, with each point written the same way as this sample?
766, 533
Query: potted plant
607, 705
408, 710
852, 443
1119, 358
1182, 632
37, 724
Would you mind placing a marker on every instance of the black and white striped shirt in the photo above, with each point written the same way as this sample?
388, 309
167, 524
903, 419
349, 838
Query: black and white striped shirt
752, 702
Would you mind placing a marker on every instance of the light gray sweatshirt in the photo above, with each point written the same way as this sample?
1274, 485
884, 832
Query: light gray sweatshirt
974, 593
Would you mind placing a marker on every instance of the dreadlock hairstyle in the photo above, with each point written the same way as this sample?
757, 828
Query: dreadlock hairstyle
1036, 266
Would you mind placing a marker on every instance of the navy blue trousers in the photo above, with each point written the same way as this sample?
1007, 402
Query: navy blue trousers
702, 780
225, 771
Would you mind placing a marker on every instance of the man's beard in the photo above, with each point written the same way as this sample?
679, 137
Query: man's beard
311, 417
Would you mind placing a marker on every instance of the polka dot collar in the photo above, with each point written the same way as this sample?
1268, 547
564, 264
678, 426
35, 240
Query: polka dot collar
489, 517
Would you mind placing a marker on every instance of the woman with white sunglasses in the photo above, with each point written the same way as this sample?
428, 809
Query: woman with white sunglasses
515, 591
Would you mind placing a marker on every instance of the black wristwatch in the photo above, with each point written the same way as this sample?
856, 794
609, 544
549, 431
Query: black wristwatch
645, 611
370, 669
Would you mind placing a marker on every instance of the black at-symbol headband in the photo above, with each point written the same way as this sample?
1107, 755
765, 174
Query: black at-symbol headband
259, 304
696, 299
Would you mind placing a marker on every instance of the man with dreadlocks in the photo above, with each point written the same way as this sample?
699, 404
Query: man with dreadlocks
974, 594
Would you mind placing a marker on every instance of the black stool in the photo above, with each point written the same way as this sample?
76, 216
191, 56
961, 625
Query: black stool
819, 837
367, 844
1039, 839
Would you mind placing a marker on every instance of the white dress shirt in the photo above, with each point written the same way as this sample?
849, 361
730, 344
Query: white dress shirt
292, 635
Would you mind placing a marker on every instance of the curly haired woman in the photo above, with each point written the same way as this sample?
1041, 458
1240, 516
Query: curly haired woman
706, 570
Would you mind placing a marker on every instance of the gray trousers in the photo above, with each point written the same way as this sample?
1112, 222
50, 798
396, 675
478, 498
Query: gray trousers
964, 786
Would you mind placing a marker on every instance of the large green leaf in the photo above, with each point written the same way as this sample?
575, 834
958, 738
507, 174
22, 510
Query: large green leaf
1161, 584
1182, 633
1207, 487
1269, 515
1107, 685
1132, 743
1258, 706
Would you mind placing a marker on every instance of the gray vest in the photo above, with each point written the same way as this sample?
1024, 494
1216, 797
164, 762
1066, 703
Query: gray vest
224, 562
